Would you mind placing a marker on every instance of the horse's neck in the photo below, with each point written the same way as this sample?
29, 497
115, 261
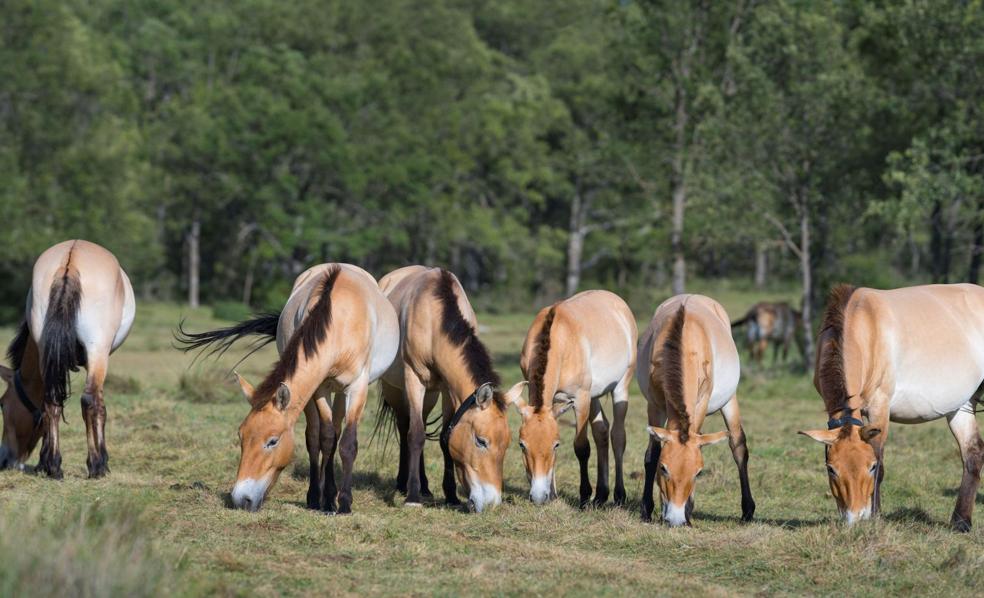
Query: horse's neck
304, 384
30, 372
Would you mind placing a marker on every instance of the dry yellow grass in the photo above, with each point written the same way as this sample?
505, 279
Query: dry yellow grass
158, 523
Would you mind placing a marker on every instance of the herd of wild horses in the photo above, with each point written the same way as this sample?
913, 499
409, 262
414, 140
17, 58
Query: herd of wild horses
909, 355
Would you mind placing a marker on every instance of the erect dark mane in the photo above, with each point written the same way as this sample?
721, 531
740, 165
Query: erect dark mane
539, 360
671, 368
831, 381
462, 334
307, 337
15, 351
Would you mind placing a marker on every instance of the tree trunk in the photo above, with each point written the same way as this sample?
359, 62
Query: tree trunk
194, 261
761, 265
679, 186
973, 273
575, 244
248, 281
806, 270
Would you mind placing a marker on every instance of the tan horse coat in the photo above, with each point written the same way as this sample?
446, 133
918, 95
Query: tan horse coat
79, 310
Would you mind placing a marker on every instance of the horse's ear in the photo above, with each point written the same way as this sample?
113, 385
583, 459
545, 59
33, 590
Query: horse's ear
246, 387
6, 374
660, 434
483, 396
283, 397
869, 432
515, 397
713, 438
824, 436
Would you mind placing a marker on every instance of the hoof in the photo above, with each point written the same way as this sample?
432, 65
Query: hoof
960, 525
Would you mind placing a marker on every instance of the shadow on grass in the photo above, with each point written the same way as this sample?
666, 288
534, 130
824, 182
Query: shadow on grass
954, 492
914, 515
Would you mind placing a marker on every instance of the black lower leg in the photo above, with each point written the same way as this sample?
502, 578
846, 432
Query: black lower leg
973, 460
448, 483
583, 452
328, 488
652, 460
348, 449
739, 450
50, 461
424, 486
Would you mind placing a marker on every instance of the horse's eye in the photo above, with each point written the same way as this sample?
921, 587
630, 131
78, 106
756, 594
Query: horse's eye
831, 471
482, 443
522, 445
272, 442
873, 468
699, 472
664, 470
556, 445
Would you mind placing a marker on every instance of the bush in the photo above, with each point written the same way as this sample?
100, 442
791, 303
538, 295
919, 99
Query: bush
118, 384
231, 310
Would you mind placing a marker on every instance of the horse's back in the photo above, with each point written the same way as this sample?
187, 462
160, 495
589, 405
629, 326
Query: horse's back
923, 345
603, 326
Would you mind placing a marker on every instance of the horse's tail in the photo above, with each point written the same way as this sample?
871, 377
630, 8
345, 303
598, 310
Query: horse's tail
741, 321
61, 352
385, 423
221, 340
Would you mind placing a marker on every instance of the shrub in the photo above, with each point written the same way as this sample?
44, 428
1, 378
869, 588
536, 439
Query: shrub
207, 385
231, 310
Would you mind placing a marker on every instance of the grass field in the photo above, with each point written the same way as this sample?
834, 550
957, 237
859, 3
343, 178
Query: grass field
158, 523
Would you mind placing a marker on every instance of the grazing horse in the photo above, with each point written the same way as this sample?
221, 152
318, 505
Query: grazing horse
336, 334
440, 353
908, 355
79, 310
693, 371
767, 322
576, 351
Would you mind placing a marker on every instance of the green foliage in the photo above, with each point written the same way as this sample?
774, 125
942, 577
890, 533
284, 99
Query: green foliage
232, 311
485, 136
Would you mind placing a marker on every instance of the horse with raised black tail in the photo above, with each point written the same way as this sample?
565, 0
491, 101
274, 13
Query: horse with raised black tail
79, 310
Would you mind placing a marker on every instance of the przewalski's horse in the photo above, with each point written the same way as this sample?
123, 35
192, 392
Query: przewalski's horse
440, 353
79, 310
908, 355
692, 371
576, 351
336, 334
775, 323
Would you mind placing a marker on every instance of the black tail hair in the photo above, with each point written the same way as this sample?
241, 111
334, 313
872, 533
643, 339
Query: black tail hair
15, 351
61, 352
217, 342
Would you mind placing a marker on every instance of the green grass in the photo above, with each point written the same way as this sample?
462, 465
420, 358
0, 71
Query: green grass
158, 523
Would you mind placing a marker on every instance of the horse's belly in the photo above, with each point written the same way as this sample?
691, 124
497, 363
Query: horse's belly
916, 403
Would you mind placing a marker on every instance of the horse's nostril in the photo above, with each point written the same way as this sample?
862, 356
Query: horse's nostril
248, 503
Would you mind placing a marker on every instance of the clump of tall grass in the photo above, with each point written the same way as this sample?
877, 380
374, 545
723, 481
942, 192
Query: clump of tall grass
91, 550
207, 385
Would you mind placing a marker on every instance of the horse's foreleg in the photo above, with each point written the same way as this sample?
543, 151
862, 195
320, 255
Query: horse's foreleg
349, 442
582, 448
328, 441
739, 450
620, 406
963, 425
878, 417
415, 439
657, 417
450, 485
312, 430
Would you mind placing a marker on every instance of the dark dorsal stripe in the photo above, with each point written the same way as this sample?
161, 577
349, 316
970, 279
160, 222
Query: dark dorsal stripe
671, 368
539, 360
307, 338
462, 334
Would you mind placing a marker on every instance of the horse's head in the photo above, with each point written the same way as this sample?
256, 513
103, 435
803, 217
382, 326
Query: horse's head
20, 430
851, 468
539, 437
680, 462
266, 439
477, 440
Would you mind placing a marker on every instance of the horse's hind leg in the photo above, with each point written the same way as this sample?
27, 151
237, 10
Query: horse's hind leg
739, 450
50, 461
963, 425
94, 414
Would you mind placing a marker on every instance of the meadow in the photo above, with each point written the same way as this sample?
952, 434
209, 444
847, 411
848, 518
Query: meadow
159, 522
